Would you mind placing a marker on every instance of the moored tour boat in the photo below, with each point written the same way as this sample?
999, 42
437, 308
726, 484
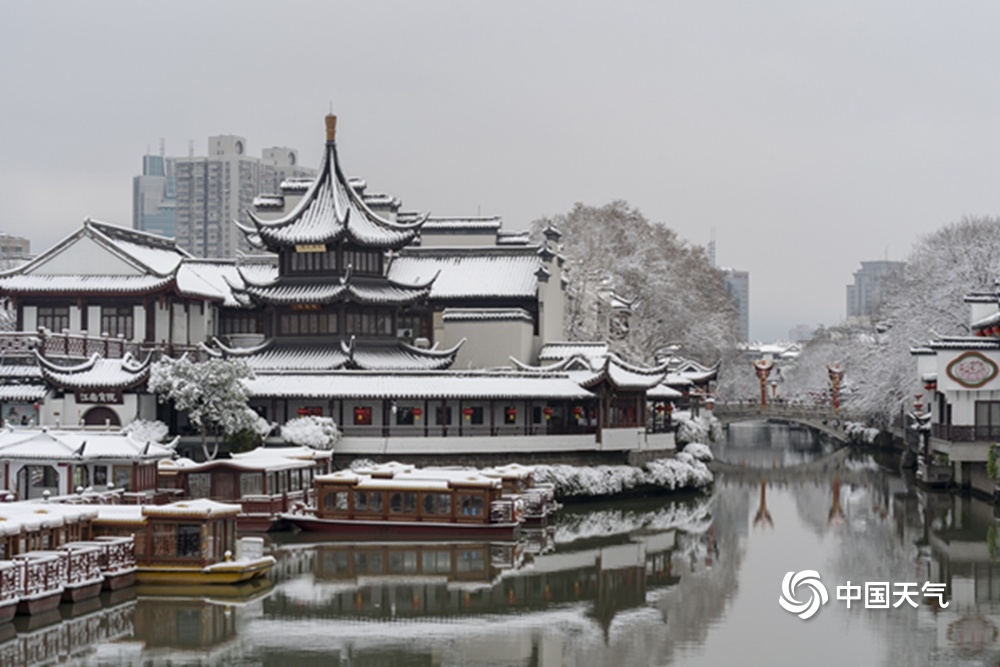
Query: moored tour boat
390, 502
188, 542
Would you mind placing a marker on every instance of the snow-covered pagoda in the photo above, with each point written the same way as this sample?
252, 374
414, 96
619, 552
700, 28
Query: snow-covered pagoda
331, 299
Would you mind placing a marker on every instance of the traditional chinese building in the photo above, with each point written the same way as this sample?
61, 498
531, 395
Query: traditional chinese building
961, 391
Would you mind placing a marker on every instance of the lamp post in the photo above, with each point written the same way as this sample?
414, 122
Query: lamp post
763, 368
836, 377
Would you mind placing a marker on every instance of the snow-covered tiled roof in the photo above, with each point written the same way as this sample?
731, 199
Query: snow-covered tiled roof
10, 372
486, 315
392, 355
269, 201
79, 284
198, 507
513, 238
96, 372
210, 278
462, 223
260, 459
662, 392
446, 385
34, 443
331, 210
489, 271
964, 343
159, 254
22, 393
295, 184
989, 321
557, 351
981, 297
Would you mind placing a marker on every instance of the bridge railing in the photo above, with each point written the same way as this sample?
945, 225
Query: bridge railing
820, 414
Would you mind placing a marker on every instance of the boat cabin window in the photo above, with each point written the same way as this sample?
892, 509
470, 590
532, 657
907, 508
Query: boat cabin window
403, 503
368, 501
437, 503
470, 505
335, 501
251, 483
200, 485
189, 540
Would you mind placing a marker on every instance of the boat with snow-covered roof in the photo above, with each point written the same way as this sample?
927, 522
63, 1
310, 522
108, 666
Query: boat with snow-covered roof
397, 501
265, 482
187, 542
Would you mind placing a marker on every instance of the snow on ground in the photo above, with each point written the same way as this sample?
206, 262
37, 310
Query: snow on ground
680, 472
705, 428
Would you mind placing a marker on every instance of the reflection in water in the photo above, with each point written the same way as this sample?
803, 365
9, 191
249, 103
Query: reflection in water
665, 580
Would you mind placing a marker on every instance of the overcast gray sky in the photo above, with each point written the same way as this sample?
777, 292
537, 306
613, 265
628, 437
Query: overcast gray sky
808, 135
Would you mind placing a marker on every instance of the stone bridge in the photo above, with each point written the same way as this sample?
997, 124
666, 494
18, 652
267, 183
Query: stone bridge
821, 418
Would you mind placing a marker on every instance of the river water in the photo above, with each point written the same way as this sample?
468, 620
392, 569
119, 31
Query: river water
691, 580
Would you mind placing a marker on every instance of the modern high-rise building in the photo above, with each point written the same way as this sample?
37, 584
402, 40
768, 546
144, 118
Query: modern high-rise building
154, 203
738, 287
867, 294
211, 192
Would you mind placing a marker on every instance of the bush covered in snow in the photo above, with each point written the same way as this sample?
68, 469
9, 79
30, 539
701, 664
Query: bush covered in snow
311, 431
705, 428
860, 433
146, 430
681, 472
699, 451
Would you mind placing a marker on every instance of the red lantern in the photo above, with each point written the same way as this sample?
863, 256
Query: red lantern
548, 413
511, 412
660, 408
670, 408
577, 412
417, 412
980, 332
467, 412
36, 406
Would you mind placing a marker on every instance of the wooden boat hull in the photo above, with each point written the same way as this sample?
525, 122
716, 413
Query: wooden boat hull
40, 603
118, 580
258, 523
8, 609
82, 592
242, 592
404, 530
220, 573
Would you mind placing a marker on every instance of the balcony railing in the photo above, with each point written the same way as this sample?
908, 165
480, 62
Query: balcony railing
965, 433
465, 430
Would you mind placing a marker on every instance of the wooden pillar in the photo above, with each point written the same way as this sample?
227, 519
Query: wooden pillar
427, 418
492, 418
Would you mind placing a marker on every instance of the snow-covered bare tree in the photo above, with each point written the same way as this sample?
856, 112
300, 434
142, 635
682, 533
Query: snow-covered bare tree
212, 393
679, 297
880, 374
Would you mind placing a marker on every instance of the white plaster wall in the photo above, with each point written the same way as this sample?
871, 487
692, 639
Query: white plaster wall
179, 333
75, 319
162, 332
94, 320
660, 441
138, 323
29, 315
623, 439
85, 257
457, 239
488, 343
